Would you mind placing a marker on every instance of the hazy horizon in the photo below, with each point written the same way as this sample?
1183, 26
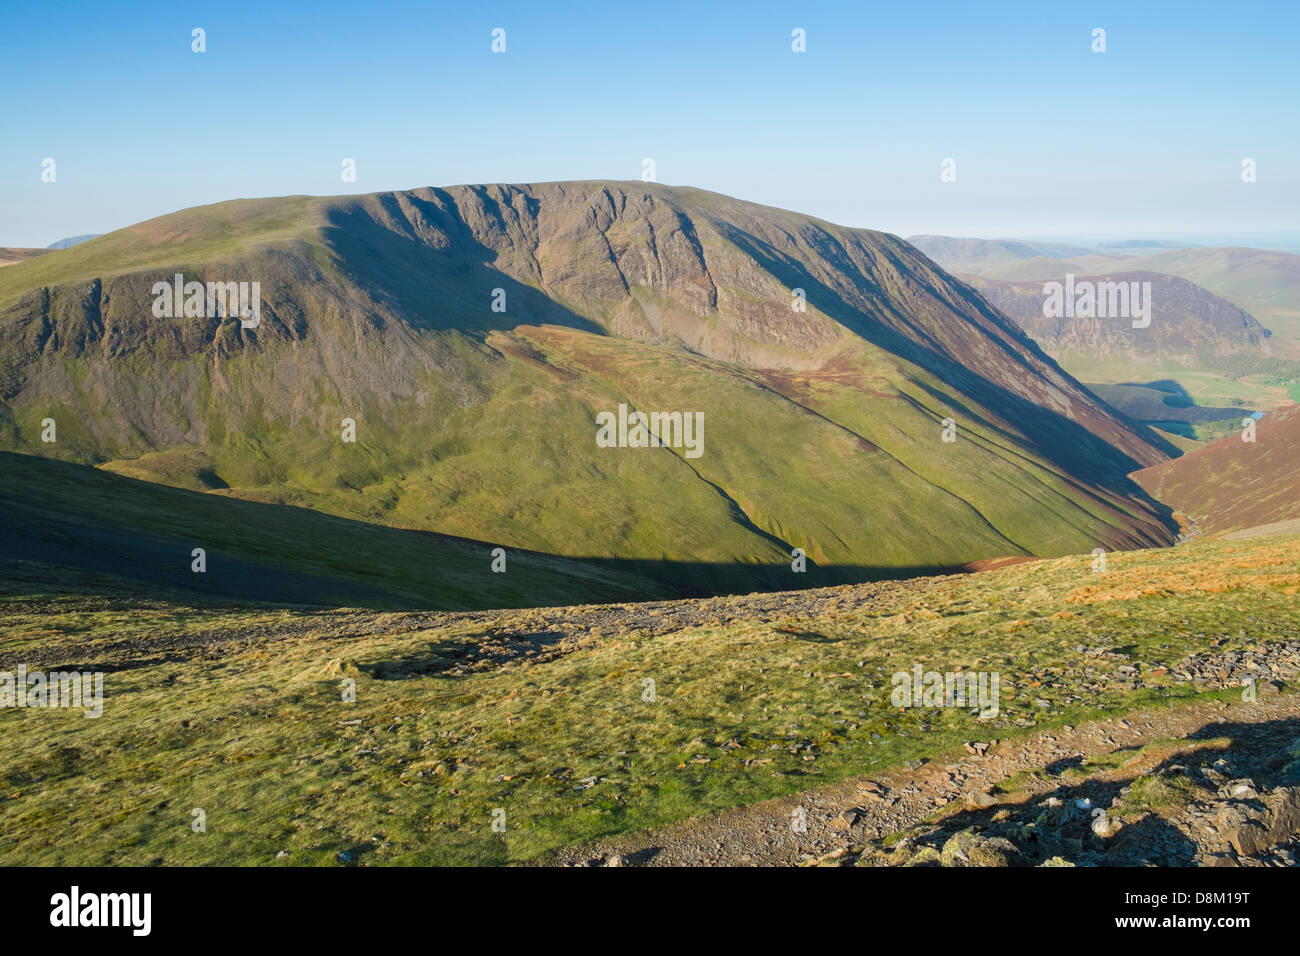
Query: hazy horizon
1280, 240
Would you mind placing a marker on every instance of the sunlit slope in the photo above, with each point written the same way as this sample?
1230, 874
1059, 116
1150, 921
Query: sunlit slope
545, 713
1232, 484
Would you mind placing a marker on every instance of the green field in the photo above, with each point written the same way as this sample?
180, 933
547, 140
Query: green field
1235, 383
92, 523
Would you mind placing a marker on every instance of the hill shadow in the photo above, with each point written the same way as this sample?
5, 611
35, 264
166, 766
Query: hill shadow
1176, 405
76, 530
1179, 397
159, 571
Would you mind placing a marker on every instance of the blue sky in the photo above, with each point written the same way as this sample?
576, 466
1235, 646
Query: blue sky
1049, 138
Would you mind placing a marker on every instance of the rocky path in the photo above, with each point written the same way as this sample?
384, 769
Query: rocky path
1206, 783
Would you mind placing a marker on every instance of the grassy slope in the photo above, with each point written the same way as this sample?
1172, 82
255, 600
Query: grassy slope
761, 697
845, 505
9, 255
191, 237
1232, 484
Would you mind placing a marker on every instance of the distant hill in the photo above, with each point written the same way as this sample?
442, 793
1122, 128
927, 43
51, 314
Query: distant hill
974, 256
822, 425
10, 255
1044, 268
1025, 259
73, 241
1020, 259
1139, 247
1187, 321
1231, 484
1218, 352
1264, 283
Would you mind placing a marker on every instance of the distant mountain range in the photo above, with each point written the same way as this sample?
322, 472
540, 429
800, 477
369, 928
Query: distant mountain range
980, 256
978, 253
827, 363
10, 254
73, 241
1264, 283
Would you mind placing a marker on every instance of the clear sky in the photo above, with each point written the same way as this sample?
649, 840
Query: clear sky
1049, 138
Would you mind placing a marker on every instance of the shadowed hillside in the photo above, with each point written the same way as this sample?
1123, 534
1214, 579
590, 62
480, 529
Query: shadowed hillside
79, 530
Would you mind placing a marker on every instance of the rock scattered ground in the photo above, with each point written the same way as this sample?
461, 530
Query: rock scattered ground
503, 637
1210, 783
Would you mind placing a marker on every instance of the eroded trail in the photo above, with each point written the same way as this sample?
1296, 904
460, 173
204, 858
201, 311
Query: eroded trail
1210, 783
